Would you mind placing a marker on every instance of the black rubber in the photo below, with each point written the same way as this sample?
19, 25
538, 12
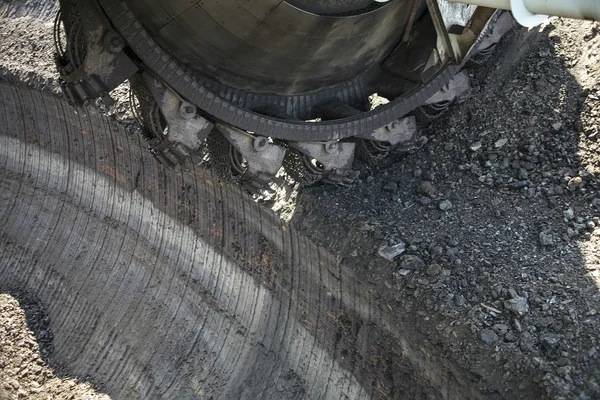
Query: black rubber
222, 102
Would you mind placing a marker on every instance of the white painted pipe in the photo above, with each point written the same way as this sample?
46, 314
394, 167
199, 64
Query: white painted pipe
502, 4
579, 9
534, 12
524, 16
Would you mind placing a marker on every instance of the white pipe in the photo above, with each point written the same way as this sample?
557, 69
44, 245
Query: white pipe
524, 16
579, 9
502, 4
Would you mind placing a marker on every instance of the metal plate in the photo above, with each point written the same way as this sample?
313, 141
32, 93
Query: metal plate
284, 51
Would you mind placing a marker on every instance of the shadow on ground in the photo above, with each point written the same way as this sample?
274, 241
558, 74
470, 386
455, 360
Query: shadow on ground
501, 204
26, 343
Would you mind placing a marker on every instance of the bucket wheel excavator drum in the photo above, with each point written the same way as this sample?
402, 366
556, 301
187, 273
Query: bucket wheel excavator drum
297, 72
276, 47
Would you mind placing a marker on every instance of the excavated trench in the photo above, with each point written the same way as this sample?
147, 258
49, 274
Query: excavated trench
167, 283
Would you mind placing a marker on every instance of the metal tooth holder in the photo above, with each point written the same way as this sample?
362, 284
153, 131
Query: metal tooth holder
402, 131
167, 154
333, 160
263, 159
184, 123
102, 64
450, 92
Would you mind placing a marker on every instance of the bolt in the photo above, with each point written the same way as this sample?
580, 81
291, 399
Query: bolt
331, 147
391, 126
187, 110
113, 42
260, 143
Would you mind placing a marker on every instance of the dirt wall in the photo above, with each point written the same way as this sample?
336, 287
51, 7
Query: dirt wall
168, 283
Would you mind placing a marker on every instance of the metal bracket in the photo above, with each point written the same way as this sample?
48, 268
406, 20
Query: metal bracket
456, 87
105, 65
168, 153
185, 125
263, 159
402, 131
444, 45
503, 24
456, 16
334, 159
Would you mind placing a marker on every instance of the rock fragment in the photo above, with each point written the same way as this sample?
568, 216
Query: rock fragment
523, 175
445, 205
476, 146
510, 337
569, 214
488, 336
500, 329
391, 252
433, 269
412, 262
391, 187
527, 342
500, 143
574, 183
459, 300
518, 305
557, 126
424, 200
590, 225
546, 239
427, 188
549, 341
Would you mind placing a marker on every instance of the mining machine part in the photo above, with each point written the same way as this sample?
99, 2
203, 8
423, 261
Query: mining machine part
273, 68
299, 76
92, 61
252, 157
